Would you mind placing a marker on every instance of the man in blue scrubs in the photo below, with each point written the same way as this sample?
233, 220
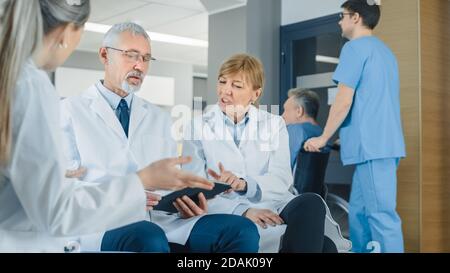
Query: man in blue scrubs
367, 111
300, 114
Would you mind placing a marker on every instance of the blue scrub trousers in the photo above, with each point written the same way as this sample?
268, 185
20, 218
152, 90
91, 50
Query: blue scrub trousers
372, 213
217, 233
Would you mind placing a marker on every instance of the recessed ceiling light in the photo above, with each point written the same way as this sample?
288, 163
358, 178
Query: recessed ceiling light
160, 37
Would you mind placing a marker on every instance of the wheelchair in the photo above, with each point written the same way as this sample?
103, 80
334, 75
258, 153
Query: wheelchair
309, 176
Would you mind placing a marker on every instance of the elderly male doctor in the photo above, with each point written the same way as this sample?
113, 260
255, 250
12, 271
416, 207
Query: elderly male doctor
110, 132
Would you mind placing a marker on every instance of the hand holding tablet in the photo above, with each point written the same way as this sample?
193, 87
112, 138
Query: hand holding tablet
166, 203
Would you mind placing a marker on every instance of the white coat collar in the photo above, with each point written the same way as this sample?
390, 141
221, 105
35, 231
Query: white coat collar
102, 108
214, 119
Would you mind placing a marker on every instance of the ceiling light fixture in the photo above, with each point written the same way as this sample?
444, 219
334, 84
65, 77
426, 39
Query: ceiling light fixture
159, 37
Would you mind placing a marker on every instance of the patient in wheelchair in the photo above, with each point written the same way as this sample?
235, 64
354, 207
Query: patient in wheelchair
300, 114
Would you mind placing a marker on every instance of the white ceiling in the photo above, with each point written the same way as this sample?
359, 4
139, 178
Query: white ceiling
186, 18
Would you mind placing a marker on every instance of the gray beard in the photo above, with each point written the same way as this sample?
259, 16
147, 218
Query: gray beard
130, 88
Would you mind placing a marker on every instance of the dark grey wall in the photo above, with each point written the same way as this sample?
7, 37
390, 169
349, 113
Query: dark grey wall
227, 36
263, 41
252, 29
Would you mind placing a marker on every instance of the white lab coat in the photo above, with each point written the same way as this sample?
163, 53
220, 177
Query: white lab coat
263, 155
39, 207
94, 139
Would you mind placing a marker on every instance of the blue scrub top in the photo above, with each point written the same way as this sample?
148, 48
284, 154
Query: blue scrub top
298, 134
373, 128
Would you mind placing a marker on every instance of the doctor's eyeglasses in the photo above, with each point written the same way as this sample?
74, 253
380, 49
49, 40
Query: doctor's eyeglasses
342, 14
134, 56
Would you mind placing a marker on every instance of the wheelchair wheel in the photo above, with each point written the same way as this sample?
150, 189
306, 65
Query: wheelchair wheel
339, 210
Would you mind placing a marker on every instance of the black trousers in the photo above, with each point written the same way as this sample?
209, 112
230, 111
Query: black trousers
305, 219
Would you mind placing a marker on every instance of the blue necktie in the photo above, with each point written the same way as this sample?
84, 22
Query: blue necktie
124, 116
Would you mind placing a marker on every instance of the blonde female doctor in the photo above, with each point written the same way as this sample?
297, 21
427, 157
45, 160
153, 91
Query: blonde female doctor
248, 148
39, 207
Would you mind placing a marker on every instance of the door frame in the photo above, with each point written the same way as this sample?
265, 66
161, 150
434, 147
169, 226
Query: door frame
297, 31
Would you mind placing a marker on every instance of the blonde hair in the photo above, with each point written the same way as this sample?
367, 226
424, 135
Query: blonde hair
23, 23
20, 32
251, 68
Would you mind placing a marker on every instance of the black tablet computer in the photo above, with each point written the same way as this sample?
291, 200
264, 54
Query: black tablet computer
166, 202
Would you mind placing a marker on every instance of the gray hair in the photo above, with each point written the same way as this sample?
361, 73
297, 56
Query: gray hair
307, 99
23, 24
112, 36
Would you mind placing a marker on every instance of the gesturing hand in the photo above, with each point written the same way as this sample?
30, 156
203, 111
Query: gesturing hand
164, 175
228, 177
